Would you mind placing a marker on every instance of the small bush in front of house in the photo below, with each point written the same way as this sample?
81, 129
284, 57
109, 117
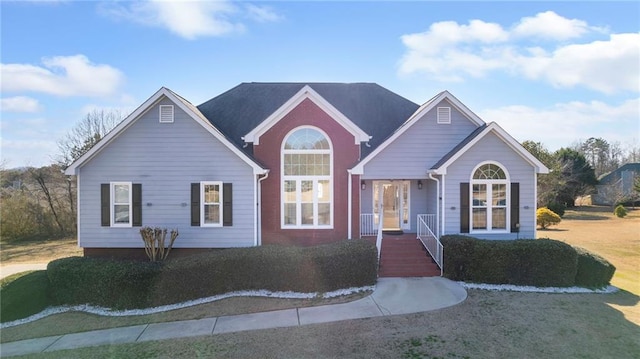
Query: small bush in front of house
546, 217
110, 283
276, 268
544, 263
593, 270
620, 211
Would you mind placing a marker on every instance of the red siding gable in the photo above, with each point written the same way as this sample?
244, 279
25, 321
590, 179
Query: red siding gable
345, 156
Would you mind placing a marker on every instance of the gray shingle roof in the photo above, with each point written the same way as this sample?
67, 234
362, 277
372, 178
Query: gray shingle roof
459, 147
376, 110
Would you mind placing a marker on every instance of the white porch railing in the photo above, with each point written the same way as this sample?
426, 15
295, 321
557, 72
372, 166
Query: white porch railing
368, 225
429, 240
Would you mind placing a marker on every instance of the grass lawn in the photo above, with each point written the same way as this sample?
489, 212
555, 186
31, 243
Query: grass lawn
616, 239
38, 251
486, 325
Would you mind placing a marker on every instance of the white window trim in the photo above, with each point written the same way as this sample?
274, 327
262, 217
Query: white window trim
112, 204
489, 187
299, 180
161, 118
203, 203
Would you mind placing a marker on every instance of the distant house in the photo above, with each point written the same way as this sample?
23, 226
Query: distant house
617, 186
303, 164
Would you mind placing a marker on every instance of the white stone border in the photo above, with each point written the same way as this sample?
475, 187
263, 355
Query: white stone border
123, 313
530, 289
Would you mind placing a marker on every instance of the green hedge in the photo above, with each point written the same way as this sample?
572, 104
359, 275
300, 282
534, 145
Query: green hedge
23, 294
127, 284
543, 262
105, 282
593, 270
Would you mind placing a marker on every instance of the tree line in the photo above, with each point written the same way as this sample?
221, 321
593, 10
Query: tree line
40, 203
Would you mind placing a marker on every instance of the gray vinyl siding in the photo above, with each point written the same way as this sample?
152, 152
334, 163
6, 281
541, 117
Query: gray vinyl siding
491, 148
420, 147
166, 158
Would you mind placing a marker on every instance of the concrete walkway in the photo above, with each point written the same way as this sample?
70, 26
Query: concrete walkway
10, 269
392, 296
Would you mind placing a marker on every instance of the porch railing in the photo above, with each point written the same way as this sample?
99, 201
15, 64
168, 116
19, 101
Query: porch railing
368, 226
429, 240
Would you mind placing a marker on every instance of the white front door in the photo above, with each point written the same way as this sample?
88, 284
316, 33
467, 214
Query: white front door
393, 198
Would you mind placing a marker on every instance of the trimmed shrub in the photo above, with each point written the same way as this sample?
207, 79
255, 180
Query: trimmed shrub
546, 217
23, 295
620, 211
128, 284
557, 208
593, 270
103, 282
276, 268
544, 263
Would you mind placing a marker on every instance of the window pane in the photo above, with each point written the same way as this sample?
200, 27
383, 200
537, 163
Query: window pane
121, 193
479, 195
489, 171
324, 213
499, 194
306, 188
307, 213
499, 218
289, 191
479, 218
212, 193
121, 213
212, 213
324, 191
290, 213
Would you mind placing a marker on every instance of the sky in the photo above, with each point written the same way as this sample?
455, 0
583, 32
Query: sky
550, 72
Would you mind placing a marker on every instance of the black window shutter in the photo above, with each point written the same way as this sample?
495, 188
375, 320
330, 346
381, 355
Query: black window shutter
515, 207
464, 207
227, 206
136, 195
105, 205
195, 204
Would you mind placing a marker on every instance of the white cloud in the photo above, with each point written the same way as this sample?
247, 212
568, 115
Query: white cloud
19, 104
549, 25
262, 13
449, 51
62, 76
188, 19
565, 123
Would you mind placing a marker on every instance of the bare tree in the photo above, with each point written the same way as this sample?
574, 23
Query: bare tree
86, 133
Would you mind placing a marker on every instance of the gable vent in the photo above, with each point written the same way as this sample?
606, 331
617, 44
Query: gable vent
166, 113
444, 115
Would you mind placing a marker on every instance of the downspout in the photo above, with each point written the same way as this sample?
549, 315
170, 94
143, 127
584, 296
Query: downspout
349, 205
438, 203
258, 230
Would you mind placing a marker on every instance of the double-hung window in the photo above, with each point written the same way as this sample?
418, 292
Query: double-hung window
307, 196
120, 204
211, 204
489, 194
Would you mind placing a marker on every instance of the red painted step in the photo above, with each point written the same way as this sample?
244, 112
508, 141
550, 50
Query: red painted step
405, 258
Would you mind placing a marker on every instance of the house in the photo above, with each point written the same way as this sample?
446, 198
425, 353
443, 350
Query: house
303, 164
617, 186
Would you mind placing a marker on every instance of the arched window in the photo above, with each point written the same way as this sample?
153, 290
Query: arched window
489, 198
306, 179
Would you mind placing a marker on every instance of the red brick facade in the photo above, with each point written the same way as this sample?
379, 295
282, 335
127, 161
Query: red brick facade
345, 155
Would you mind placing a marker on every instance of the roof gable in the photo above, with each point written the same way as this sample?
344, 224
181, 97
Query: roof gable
372, 108
477, 135
185, 106
306, 93
415, 117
